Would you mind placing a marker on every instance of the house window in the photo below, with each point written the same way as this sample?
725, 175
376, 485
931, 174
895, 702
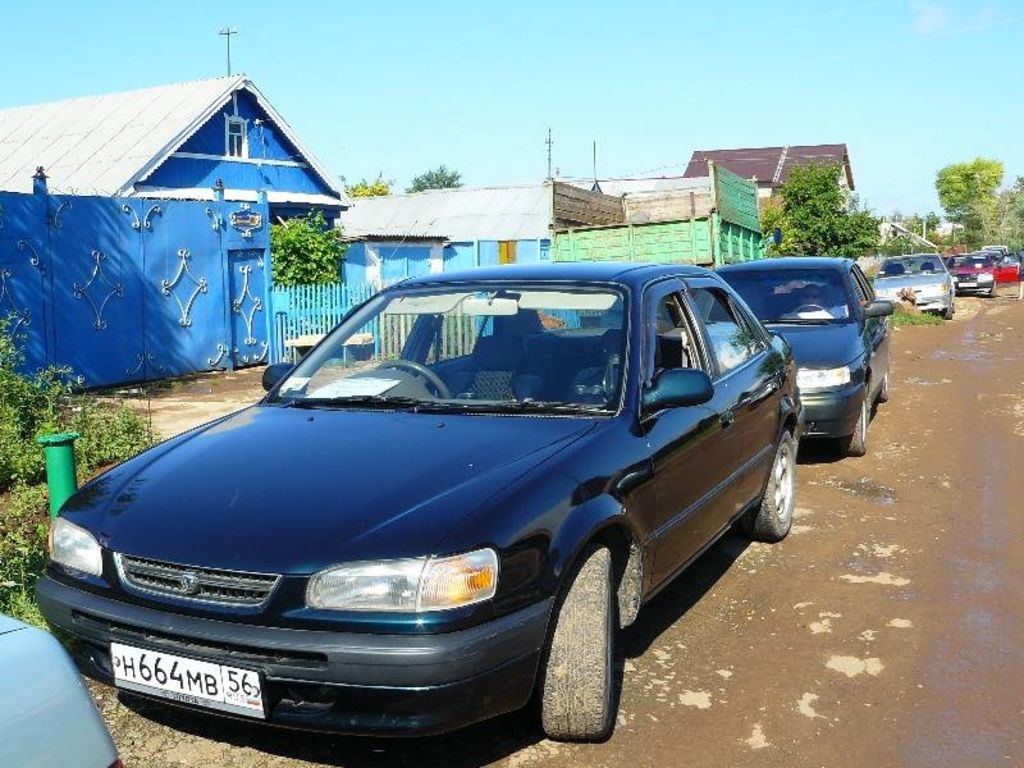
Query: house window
237, 146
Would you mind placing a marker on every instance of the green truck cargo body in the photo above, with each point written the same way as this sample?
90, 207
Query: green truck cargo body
714, 226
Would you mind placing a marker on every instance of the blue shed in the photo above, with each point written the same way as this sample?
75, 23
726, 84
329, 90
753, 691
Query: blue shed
440, 230
169, 142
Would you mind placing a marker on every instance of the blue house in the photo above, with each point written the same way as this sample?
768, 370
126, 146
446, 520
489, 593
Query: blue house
175, 142
441, 230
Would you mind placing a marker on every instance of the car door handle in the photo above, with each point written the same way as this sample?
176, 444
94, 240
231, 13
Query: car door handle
727, 419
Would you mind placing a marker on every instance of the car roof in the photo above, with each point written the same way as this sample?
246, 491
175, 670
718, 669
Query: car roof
627, 273
790, 262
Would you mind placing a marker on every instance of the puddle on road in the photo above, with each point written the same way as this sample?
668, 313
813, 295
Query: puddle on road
865, 489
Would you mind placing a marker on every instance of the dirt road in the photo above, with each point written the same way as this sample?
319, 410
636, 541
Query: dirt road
887, 630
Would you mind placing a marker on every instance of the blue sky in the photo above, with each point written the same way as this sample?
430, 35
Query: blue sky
399, 87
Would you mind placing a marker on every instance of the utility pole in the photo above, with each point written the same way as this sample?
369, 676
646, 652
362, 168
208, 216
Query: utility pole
595, 161
550, 144
226, 33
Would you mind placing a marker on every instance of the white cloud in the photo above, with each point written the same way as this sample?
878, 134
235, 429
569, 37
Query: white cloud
929, 18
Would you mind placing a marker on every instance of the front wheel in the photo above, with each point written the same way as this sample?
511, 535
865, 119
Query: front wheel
772, 520
577, 686
948, 314
883, 393
857, 443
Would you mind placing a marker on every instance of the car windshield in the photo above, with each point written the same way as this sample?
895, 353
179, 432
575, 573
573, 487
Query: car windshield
483, 348
793, 295
973, 261
911, 265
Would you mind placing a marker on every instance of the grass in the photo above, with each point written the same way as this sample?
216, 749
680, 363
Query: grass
901, 318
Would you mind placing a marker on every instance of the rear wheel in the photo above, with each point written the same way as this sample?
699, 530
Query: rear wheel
772, 520
857, 443
577, 686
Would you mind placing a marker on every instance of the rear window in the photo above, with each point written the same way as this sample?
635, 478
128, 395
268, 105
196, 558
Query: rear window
974, 262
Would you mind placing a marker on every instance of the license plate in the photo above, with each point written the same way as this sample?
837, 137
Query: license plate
190, 681
967, 284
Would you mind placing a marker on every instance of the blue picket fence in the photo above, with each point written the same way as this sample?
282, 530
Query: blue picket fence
303, 312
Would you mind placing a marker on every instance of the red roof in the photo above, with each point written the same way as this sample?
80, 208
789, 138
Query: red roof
770, 165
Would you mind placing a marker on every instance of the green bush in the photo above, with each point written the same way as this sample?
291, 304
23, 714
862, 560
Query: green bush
306, 250
32, 405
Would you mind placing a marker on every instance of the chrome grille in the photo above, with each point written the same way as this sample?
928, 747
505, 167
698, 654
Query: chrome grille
210, 585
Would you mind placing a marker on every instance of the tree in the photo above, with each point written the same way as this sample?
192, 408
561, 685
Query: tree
306, 250
967, 192
438, 178
379, 187
818, 217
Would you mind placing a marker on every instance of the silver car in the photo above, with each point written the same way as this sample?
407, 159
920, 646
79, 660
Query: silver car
47, 717
921, 276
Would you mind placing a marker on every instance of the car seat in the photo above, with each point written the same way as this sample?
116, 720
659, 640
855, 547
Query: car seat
497, 360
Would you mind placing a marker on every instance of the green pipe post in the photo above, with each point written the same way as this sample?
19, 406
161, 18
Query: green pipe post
61, 479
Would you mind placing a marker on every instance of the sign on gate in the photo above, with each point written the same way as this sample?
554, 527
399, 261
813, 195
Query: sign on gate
129, 289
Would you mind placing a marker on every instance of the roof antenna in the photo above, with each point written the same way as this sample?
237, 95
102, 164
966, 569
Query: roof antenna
226, 33
550, 144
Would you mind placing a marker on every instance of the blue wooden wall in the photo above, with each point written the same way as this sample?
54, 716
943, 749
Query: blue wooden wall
399, 261
266, 142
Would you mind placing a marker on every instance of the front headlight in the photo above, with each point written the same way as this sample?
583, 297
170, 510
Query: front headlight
813, 379
985, 277
409, 585
75, 547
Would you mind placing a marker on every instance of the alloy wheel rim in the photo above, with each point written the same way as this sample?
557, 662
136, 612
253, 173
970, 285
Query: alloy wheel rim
782, 477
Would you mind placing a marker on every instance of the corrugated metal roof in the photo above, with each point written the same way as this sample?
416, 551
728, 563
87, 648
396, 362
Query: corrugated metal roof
463, 214
103, 145
770, 165
644, 184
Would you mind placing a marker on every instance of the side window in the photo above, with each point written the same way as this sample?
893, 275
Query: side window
670, 339
732, 341
864, 291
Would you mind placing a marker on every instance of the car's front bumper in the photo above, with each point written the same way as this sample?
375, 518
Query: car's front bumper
833, 412
319, 680
975, 287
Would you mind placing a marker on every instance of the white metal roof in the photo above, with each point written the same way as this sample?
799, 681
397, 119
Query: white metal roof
633, 186
463, 214
104, 145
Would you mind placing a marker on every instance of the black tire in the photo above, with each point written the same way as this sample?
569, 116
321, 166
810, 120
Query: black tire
773, 517
857, 443
948, 314
577, 691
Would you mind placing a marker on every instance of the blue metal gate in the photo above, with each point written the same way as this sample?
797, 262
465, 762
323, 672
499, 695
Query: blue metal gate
129, 289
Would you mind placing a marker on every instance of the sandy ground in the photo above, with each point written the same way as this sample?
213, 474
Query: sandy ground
887, 630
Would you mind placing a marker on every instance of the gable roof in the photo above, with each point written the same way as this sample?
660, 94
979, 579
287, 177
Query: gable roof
105, 145
771, 165
459, 215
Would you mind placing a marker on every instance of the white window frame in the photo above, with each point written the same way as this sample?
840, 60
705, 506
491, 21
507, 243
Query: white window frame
230, 120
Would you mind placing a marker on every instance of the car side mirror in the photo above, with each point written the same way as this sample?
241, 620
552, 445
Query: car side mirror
878, 308
677, 388
273, 373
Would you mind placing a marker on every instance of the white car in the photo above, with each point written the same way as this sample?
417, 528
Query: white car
47, 718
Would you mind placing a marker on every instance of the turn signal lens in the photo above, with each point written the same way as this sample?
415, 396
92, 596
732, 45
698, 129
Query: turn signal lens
450, 582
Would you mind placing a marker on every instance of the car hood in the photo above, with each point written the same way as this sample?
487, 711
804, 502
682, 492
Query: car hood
825, 345
288, 490
896, 284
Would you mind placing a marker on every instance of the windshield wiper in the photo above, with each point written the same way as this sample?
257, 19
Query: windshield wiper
541, 406
356, 401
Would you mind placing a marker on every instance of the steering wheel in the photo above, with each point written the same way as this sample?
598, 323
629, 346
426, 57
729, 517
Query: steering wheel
809, 308
418, 369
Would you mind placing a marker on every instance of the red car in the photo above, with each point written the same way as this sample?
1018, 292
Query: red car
979, 273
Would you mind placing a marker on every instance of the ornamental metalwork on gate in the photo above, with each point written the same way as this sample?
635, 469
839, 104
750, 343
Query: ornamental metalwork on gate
129, 289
